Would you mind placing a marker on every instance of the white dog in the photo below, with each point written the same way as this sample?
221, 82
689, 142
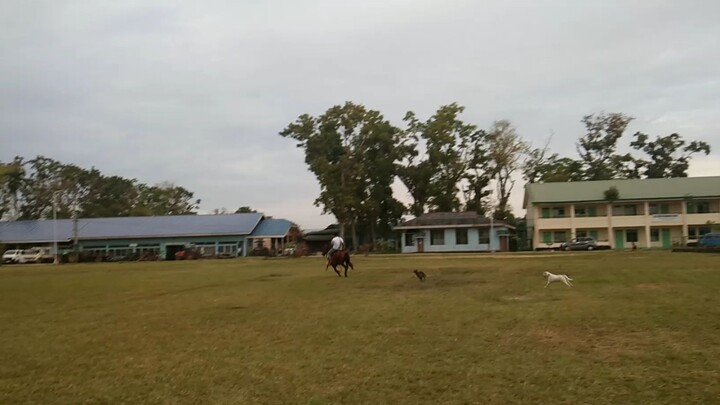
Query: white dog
551, 278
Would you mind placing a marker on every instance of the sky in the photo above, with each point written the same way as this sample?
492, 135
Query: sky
196, 93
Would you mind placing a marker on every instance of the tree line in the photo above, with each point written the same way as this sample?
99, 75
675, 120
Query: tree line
448, 164
30, 188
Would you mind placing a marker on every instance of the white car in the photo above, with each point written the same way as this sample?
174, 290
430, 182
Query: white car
13, 256
36, 255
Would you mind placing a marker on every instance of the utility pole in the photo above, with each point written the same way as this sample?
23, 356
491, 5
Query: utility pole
55, 245
492, 228
75, 232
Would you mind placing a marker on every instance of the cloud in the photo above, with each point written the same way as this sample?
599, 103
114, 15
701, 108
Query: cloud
196, 92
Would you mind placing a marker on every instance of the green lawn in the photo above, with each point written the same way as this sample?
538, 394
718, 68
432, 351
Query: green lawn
638, 328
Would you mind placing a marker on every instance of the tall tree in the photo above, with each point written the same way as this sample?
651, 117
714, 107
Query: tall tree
669, 155
506, 149
378, 153
11, 181
476, 179
434, 181
542, 167
167, 199
351, 151
244, 210
33, 189
598, 147
43, 179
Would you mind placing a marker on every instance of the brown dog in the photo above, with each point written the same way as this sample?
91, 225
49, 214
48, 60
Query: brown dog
420, 275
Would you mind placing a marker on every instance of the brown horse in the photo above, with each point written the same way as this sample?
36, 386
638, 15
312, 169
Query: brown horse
340, 258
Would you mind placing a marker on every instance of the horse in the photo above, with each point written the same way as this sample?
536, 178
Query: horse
340, 258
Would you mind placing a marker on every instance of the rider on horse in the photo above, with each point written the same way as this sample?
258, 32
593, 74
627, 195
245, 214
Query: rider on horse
337, 243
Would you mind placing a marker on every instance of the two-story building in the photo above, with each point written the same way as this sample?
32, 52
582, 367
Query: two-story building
651, 213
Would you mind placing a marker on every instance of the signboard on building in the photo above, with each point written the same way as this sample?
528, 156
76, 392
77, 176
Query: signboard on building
666, 217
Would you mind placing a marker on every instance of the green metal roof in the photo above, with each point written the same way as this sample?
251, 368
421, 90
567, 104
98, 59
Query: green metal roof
634, 189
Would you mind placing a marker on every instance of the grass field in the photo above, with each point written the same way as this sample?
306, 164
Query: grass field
638, 328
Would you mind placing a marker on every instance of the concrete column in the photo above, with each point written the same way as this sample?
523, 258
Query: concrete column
683, 211
611, 233
647, 224
572, 221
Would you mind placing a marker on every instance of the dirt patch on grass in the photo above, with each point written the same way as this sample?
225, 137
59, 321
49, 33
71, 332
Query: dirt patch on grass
515, 298
601, 344
652, 287
270, 276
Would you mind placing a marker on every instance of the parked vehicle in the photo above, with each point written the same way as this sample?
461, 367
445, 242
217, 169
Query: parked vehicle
37, 255
581, 243
13, 256
711, 239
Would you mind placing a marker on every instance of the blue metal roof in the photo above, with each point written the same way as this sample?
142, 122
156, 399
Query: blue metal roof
271, 227
35, 231
130, 227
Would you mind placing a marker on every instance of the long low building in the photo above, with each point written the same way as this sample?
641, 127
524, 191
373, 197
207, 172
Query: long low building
212, 235
649, 213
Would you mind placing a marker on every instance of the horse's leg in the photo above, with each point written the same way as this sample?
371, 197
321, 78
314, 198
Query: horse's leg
346, 268
336, 270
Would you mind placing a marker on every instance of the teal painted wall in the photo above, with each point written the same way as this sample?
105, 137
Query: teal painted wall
450, 243
163, 243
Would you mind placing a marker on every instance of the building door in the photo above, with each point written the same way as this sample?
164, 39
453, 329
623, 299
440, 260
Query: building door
504, 243
420, 245
619, 239
666, 241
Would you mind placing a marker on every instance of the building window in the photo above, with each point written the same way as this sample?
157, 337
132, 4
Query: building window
654, 235
695, 232
698, 207
547, 237
461, 236
622, 210
589, 211
656, 208
409, 239
558, 212
546, 212
584, 233
559, 236
631, 235
483, 236
437, 237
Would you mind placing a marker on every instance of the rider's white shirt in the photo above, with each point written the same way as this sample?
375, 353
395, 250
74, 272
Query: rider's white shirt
337, 242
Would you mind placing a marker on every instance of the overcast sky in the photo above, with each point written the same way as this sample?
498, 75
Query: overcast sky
195, 92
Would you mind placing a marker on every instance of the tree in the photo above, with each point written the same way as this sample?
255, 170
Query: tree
352, 152
35, 188
433, 180
167, 199
669, 155
11, 180
114, 196
612, 194
597, 148
505, 151
42, 180
244, 210
476, 180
